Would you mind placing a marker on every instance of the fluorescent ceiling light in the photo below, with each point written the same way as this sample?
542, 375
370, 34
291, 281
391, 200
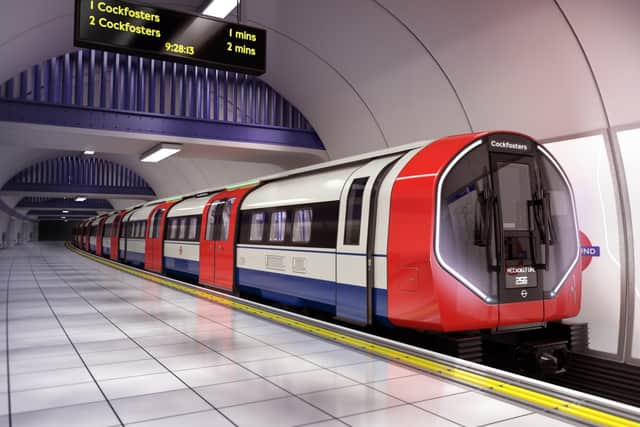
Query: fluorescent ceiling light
63, 217
160, 152
65, 211
89, 152
220, 8
80, 199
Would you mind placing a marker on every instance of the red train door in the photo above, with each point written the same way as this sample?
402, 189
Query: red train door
99, 236
217, 238
115, 236
155, 237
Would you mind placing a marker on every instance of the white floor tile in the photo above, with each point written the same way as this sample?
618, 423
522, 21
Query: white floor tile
206, 418
53, 397
310, 381
472, 409
139, 385
288, 411
97, 414
215, 375
240, 392
405, 416
350, 400
374, 371
417, 387
284, 365
159, 405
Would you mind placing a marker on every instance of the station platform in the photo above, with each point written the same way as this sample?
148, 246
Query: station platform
87, 345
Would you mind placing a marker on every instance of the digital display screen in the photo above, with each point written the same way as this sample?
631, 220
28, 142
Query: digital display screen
170, 35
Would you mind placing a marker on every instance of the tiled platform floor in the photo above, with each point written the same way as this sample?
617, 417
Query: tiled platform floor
86, 345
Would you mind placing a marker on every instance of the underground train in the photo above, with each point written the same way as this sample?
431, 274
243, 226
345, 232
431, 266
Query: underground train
464, 233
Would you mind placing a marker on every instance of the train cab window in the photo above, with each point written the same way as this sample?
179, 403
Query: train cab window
465, 230
257, 226
515, 190
278, 224
226, 219
354, 211
302, 225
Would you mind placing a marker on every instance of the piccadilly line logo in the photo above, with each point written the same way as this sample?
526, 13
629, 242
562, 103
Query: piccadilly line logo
508, 145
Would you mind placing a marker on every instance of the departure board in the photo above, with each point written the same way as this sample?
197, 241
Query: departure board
165, 34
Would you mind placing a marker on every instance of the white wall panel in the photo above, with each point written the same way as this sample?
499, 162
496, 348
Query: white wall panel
610, 34
630, 149
515, 63
585, 162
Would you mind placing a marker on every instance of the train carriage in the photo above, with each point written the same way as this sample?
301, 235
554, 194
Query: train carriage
182, 239
136, 231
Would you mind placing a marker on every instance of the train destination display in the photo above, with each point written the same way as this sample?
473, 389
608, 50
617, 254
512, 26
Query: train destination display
155, 32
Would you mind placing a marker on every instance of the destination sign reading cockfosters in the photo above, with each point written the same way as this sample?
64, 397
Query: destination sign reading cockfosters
150, 31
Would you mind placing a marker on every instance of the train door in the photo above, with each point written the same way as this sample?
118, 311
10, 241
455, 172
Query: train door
217, 238
115, 237
356, 236
99, 236
519, 214
155, 238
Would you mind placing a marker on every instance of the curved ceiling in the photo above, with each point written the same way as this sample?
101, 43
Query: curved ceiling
375, 73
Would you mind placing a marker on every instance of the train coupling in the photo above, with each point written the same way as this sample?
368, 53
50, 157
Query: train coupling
542, 358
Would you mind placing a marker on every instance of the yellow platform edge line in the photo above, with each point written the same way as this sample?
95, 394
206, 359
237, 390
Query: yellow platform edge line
515, 392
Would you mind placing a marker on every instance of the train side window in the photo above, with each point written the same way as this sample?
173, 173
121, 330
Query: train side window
278, 224
182, 228
354, 211
193, 228
302, 219
226, 219
143, 229
257, 226
107, 231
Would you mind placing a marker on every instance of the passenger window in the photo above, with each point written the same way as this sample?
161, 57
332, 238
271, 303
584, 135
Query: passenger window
302, 225
354, 212
182, 230
278, 225
257, 227
226, 219
193, 228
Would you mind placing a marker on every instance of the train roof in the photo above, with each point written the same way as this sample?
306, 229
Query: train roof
188, 207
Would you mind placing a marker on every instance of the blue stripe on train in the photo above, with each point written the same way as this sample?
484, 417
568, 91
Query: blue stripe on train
106, 251
182, 268
135, 258
345, 301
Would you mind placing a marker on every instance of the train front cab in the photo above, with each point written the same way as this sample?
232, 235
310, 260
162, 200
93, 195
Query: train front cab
495, 248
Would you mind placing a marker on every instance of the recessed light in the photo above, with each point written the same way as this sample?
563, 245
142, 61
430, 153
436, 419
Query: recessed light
220, 8
89, 152
160, 152
80, 199
63, 217
65, 211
